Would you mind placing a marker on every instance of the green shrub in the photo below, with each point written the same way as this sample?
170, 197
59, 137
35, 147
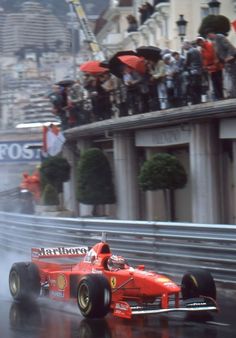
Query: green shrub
54, 170
162, 171
94, 176
50, 195
214, 24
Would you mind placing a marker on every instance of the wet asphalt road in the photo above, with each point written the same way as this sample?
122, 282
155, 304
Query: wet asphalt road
55, 320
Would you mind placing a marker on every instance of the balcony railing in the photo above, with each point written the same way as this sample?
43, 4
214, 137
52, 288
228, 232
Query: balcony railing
121, 102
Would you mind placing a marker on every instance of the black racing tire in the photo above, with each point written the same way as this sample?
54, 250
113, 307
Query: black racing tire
24, 281
94, 296
196, 283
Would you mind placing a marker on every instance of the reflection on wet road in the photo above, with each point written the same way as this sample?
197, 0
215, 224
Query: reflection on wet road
50, 320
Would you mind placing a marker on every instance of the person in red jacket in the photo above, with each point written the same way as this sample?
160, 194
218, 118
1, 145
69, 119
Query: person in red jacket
212, 65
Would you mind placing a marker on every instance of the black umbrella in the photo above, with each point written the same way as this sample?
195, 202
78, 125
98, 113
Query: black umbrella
65, 83
149, 52
115, 65
104, 64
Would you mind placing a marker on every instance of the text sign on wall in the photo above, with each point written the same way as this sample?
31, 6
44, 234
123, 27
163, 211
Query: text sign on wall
162, 137
19, 151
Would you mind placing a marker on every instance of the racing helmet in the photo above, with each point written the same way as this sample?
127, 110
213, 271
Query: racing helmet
115, 263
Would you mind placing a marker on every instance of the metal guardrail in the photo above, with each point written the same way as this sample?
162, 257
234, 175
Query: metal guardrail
170, 248
14, 192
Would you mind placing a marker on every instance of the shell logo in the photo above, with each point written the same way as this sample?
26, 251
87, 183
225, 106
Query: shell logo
61, 282
113, 282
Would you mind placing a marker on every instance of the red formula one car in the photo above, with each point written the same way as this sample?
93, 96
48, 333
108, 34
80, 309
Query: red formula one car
100, 283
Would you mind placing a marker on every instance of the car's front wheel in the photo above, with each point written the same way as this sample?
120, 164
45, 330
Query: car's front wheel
24, 281
94, 296
198, 282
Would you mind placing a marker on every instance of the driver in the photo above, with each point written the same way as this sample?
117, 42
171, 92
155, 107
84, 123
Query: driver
115, 263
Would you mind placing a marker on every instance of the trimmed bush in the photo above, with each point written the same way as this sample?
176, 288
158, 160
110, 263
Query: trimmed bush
94, 176
214, 24
54, 170
162, 171
50, 195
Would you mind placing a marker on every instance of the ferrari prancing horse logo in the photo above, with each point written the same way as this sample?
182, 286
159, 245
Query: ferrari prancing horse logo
113, 282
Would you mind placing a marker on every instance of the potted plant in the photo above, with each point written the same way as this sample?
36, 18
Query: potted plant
50, 198
94, 176
164, 172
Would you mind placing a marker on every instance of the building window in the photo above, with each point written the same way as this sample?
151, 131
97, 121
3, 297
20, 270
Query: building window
204, 12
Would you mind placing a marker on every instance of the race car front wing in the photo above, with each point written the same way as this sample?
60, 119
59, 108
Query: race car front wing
125, 310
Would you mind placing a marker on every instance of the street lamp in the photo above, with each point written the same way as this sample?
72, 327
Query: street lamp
214, 7
181, 24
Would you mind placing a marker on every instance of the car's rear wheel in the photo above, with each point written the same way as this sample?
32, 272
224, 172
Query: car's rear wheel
94, 296
24, 281
196, 283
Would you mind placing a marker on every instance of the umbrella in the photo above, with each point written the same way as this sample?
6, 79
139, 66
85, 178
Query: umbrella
149, 52
104, 64
134, 62
93, 67
65, 83
114, 63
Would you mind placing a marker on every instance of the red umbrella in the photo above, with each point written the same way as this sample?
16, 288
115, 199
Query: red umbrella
134, 62
93, 67
114, 63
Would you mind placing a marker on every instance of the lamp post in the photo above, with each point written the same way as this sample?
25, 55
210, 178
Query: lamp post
182, 24
214, 7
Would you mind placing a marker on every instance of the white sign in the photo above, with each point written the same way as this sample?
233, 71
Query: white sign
18, 152
162, 137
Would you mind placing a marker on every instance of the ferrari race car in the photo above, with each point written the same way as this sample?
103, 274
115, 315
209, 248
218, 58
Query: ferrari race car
101, 282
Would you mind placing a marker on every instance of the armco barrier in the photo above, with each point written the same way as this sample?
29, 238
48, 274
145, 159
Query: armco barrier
170, 248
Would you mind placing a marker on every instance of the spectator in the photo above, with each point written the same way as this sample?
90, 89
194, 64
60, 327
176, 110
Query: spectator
169, 78
95, 94
58, 98
77, 113
179, 79
157, 71
226, 53
212, 65
132, 23
143, 15
109, 84
149, 9
121, 99
193, 66
132, 79
146, 10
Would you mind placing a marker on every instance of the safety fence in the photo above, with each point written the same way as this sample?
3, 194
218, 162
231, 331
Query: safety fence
170, 248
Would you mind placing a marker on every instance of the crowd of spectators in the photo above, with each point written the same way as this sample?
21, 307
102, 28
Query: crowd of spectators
204, 71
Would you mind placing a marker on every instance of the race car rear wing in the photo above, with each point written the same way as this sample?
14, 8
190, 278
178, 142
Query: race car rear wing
38, 253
